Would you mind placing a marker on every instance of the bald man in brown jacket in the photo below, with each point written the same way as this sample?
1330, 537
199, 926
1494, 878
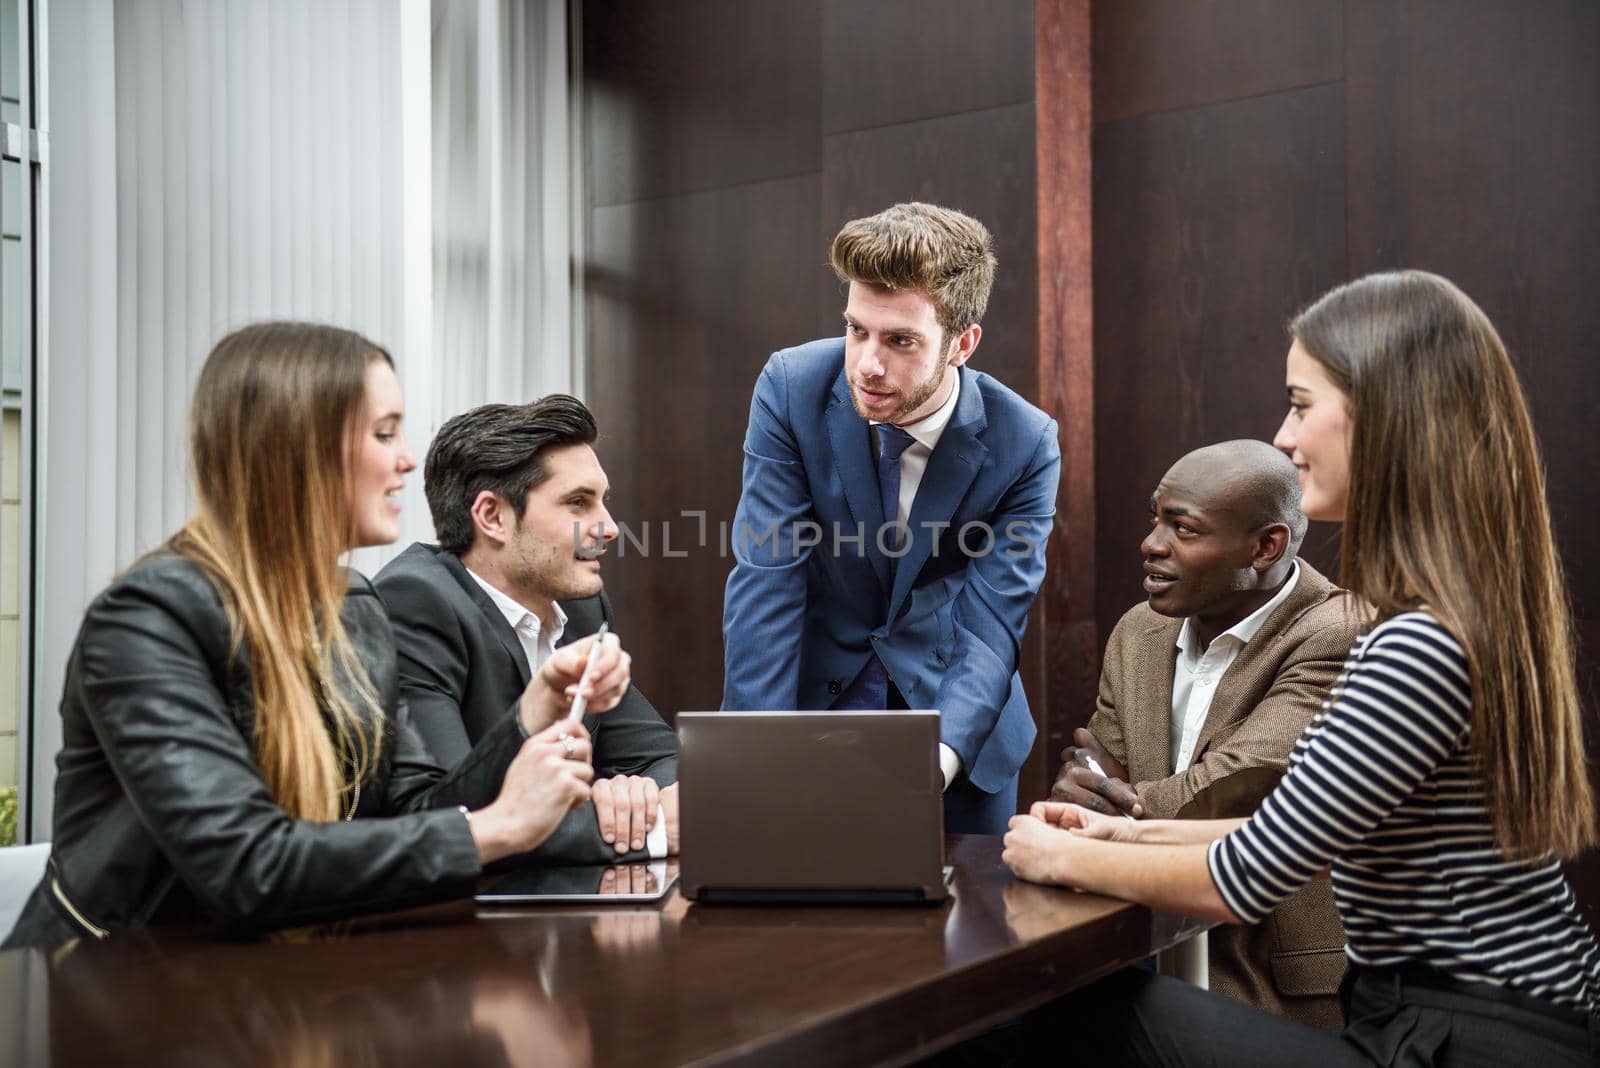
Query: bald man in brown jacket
1205, 688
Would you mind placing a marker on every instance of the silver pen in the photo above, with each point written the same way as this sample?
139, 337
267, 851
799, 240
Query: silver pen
1094, 766
580, 703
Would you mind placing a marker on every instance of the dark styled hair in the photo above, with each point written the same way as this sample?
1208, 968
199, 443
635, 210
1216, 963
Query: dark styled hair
500, 448
1447, 511
945, 254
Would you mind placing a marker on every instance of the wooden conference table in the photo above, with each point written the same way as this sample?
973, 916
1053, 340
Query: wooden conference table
673, 983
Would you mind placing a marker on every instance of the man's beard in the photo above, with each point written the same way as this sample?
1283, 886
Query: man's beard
557, 578
913, 400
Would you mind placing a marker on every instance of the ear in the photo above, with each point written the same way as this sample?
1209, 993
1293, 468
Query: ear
492, 518
965, 343
1272, 543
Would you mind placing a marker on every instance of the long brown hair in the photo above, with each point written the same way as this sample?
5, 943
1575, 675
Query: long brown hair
271, 435
1447, 510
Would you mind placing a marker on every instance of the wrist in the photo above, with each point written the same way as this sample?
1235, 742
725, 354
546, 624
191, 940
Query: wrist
537, 708
1154, 832
1063, 862
490, 835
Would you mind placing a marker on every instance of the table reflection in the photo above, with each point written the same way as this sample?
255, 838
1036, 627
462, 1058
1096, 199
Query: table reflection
669, 982
1034, 911
316, 1005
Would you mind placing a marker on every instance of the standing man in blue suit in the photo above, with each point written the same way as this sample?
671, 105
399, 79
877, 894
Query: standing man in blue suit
890, 535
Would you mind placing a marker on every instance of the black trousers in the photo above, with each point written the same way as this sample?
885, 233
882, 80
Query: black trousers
1392, 1017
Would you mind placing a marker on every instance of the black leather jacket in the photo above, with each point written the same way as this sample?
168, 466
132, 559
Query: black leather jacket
161, 811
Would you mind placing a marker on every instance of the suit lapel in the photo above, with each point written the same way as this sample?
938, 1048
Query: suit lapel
1149, 724
951, 470
1233, 699
852, 457
1239, 689
493, 618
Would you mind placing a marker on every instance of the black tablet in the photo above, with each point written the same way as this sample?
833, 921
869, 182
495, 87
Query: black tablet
597, 885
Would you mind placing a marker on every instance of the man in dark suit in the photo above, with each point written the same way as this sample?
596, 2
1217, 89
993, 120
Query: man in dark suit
890, 535
518, 503
1206, 687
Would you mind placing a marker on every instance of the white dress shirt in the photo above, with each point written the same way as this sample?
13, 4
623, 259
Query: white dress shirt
539, 643
913, 463
1195, 678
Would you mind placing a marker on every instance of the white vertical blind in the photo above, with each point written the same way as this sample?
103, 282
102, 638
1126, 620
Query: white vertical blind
257, 163
77, 481
217, 162
501, 189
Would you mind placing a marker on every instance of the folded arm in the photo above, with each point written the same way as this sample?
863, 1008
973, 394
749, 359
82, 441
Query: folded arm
1171, 877
1093, 824
1257, 753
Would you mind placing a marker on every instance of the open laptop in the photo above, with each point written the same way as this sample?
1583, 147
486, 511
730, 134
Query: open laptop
811, 807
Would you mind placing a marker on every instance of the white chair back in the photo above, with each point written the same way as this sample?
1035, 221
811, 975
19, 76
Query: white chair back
20, 870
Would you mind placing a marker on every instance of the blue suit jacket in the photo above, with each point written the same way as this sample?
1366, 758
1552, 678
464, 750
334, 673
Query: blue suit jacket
800, 619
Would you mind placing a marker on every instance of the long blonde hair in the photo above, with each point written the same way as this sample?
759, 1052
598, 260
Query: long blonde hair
1447, 510
271, 433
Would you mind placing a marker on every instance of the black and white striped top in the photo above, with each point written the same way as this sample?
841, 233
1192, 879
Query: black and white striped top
1383, 788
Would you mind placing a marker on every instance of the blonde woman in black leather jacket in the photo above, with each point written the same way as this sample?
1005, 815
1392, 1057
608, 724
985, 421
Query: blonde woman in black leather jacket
234, 750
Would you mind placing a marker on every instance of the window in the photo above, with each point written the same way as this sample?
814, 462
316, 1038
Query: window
19, 185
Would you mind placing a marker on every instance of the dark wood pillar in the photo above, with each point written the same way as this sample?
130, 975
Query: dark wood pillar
1066, 370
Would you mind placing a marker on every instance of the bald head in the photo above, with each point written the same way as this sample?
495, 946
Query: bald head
1246, 481
1225, 526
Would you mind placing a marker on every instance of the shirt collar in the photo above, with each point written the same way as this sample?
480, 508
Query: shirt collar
1246, 628
515, 612
930, 428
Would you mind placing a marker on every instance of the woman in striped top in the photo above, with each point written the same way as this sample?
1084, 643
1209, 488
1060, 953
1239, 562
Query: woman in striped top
1444, 779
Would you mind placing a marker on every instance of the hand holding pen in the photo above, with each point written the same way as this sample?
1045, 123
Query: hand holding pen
580, 700
1110, 785
1091, 777
592, 673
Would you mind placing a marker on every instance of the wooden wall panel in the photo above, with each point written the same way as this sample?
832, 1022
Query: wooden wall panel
1212, 225
1491, 182
699, 94
688, 296
1159, 55
894, 61
1064, 106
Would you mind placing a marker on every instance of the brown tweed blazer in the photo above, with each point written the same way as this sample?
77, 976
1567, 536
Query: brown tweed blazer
1291, 963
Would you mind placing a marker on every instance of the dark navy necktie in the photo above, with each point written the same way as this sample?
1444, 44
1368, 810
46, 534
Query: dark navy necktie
892, 441
871, 687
